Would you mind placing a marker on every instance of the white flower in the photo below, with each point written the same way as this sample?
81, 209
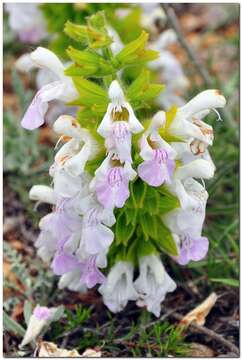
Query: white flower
46, 242
71, 280
118, 124
152, 12
190, 216
76, 152
24, 63
119, 289
43, 194
152, 284
187, 123
65, 185
198, 168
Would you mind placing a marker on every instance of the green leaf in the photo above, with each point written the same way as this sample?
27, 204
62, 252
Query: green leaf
149, 226
152, 201
88, 63
123, 231
167, 201
93, 165
97, 20
131, 215
165, 240
12, 326
132, 252
59, 313
139, 85
153, 91
28, 308
90, 92
145, 248
229, 282
135, 52
138, 191
76, 32
76, 70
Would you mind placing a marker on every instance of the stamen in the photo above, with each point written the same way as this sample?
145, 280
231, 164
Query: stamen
120, 113
218, 114
59, 140
203, 182
37, 205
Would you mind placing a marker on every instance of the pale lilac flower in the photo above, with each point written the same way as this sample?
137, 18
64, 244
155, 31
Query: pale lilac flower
193, 248
90, 275
64, 263
158, 170
119, 288
111, 182
114, 189
46, 242
95, 237
152, 284
118, 124
62, 89
159, 165
42, 312
44, 77
40, 317
120, 140
27, 21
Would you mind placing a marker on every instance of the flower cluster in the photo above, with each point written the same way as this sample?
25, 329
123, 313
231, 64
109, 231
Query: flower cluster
124, 185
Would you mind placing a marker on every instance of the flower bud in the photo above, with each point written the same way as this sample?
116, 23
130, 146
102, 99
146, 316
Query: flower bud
41, 315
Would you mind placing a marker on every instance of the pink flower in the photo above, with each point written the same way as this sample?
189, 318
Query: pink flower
192, 248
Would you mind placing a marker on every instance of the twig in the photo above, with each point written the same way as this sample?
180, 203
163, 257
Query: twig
209, 332
174, 23
172, 19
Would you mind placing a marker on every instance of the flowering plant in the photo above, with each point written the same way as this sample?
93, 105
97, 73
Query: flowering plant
123, 183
